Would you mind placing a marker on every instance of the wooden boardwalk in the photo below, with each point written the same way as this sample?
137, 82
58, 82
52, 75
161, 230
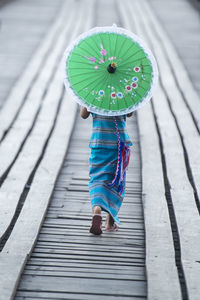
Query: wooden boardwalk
174, 24
55, 257
169, 135
65, 254
23, 25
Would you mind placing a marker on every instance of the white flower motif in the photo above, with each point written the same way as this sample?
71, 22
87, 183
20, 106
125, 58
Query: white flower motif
101, 92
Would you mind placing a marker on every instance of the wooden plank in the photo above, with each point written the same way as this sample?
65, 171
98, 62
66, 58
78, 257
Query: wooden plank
22, 31
100, 249
85, 239
70, 232
160, 257
134, 242
30, 112
179, 70
15, 259
181, 190
89, 240
105, 263
63, 214
129, 229
78, 224
39, 263
22, 85
32, 295
183, 200
105, 287
125, 219
82, 251
82, 262
185, 125
61, 253
26, 229
18, 176
86, 268
82, 274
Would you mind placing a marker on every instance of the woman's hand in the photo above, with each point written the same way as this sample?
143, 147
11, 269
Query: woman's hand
130, 115
84, 113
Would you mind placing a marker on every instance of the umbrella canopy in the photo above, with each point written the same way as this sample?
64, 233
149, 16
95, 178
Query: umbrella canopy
110, 71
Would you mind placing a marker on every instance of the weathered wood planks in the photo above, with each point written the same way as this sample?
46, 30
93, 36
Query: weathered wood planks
65, 253
22, 86
28, 157
174, 120
111, 265
159, 248
24, 25
169, 139
47, 144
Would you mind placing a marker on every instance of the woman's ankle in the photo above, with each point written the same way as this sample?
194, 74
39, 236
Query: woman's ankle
109, 221
97, 210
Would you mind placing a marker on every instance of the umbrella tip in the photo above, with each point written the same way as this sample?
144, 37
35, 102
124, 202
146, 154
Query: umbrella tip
112, 67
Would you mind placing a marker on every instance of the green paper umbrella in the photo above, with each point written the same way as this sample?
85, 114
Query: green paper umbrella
110, 71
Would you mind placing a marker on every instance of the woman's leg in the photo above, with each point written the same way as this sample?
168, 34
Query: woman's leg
110, 224
96, 210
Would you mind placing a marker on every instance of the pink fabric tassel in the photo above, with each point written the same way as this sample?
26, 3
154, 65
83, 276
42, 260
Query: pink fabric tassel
122, 163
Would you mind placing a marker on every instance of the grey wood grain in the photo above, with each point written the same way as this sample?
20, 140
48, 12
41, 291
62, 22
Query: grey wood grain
171, 125
63, 264
182, 115
83, 274
159, 243
66, 244
186, 43
23, 26
105, 287
80, 251
57, 296
18, 177
86, 269
22, 86
26, 230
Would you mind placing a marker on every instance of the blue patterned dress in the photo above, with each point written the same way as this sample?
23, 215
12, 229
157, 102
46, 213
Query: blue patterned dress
109, 158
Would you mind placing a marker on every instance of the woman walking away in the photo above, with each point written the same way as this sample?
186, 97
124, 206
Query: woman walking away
110, 153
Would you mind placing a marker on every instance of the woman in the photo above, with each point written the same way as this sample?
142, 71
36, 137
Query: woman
109, 159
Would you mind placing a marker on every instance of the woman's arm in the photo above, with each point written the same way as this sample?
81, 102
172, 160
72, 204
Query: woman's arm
130, 114
84, 113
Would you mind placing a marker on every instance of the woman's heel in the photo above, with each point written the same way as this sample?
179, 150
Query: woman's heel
96, 226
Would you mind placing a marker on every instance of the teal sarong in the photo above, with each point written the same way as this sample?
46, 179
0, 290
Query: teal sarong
110, 152
103, 164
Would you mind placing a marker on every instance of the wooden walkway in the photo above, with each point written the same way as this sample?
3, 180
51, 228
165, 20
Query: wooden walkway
58, 258
174, 24
23, 25
169, 136
70, 263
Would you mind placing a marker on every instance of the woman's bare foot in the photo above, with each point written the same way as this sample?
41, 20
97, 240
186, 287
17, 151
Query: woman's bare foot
110, 224
96, 221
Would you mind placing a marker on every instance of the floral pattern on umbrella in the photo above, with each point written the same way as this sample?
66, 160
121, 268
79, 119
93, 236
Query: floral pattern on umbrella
110, 71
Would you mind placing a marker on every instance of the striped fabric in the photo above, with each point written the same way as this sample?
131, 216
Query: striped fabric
104, 133
102, 171
103, 163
